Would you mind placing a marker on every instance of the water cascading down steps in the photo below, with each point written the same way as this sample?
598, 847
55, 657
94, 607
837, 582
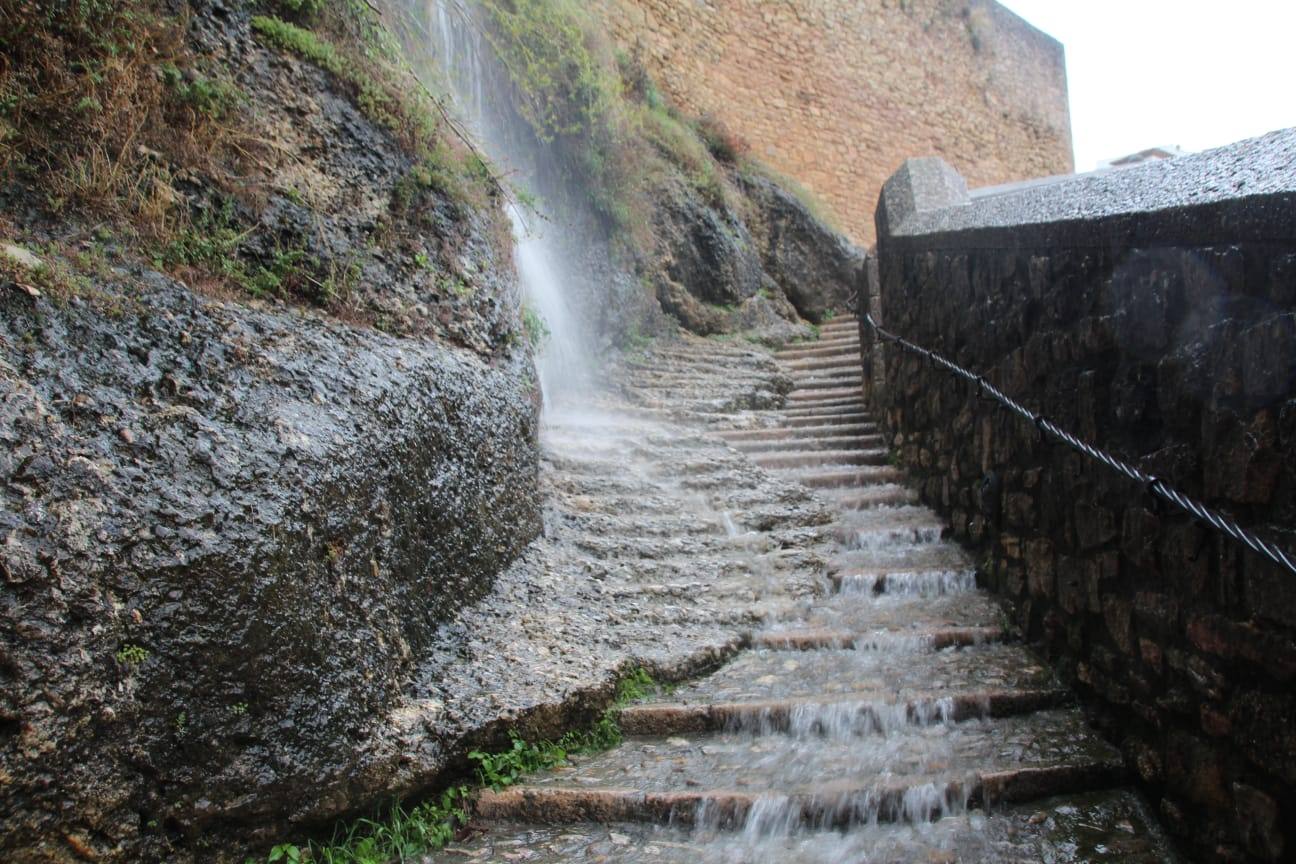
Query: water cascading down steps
888, 717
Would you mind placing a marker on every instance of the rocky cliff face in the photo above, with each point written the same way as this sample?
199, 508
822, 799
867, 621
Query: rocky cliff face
233, 511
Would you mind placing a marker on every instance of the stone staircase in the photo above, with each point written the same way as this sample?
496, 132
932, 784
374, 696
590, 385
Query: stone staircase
885, 717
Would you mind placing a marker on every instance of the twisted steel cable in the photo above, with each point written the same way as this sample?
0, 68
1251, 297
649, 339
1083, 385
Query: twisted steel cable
1153, 485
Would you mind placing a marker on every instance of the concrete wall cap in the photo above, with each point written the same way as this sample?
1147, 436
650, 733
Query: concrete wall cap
921, 185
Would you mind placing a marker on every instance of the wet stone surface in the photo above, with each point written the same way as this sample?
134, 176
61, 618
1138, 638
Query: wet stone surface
788, 764
766, 674
871, 725
1093, 828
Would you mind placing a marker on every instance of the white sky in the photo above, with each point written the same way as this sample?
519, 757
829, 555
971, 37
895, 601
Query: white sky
1192, 73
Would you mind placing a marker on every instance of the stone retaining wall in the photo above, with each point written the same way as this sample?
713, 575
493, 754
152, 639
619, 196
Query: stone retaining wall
836, 93
1153, 313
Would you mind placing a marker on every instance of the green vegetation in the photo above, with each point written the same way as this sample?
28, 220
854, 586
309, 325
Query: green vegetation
635, 342
100, 102
380, 85
210, 97
131, 655
402, 835
211, 245
506, 767
534, 327
616, 134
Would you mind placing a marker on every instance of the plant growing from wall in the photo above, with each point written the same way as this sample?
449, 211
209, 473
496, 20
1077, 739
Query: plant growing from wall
403, 834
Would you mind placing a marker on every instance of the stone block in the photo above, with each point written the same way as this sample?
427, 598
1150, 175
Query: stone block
1259, 822
1215, 722
1156, 613
1117, 612
1151, 653
1145, 759
1139, 529
1100, 575
1264, 730
1194, 770
1217, 635
1094, 525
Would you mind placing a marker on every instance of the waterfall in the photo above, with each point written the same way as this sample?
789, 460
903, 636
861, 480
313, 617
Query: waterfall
564, 357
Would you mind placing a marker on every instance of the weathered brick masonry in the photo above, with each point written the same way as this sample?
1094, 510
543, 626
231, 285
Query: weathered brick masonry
1153, 313
837, 93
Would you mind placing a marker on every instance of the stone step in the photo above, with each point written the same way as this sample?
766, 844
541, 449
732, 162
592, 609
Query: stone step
842, 714
878, 640
698, 375
886, 495
805, 442
907, 558
834, 348
1111, 826
846, 321
811, 458
861, 477
841, 803
760, 675
846, 360
826, 382
924, 583
780, 432
825, 395
902, 613
853, 404
817, 415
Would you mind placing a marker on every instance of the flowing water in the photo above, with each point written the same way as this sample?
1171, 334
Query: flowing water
565, 359
881, 713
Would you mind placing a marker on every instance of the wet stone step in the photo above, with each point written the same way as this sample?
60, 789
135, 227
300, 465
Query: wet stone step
890, 641
899, 558
886, 524
880, 495
804, 383
764, 674
845, 714
824, 415
807, 442
825, 396
901, 612
834, 348
1104, 827
811, 458
923, 583
662, 528
843, 361
773, 783
784, 764
828, 430
830, 478
794, 418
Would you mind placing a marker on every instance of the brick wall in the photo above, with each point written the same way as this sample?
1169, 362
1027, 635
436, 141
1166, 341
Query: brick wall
1159, 324
837, 93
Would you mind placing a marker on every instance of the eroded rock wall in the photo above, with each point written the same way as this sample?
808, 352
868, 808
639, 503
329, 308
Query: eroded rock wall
1155, 320
231, 526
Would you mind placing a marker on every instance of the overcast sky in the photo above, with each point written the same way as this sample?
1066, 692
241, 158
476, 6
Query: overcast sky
1193, 73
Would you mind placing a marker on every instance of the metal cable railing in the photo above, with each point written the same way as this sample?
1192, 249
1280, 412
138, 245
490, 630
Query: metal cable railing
1153, 485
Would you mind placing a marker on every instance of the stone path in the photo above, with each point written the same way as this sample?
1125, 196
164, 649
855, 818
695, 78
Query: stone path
880, 712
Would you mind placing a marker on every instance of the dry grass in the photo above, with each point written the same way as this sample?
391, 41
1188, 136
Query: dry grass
97, 113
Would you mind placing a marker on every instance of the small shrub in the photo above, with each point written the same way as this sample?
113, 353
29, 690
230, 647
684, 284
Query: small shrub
534, 328
131, 655
723, 143
209, 97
